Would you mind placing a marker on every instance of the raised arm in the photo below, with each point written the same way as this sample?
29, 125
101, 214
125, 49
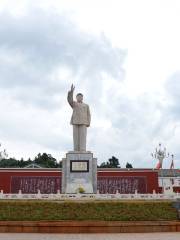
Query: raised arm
70, 96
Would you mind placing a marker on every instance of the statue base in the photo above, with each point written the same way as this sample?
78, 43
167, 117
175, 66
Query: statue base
79, 173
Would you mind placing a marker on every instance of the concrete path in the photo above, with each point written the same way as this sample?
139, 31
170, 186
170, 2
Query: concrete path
122, 236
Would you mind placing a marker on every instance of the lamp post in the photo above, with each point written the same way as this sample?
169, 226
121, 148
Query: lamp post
160, 154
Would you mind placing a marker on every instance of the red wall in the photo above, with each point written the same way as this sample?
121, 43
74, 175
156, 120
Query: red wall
176, 189
149, 177
7, 174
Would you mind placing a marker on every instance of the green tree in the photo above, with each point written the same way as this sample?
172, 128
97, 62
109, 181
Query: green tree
111, 163
129, 165
46, 160
22, 163
60, 164
9, 163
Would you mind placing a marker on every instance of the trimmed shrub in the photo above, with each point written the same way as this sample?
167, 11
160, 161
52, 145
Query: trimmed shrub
86, 210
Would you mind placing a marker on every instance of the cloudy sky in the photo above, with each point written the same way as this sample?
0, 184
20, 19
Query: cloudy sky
123, 55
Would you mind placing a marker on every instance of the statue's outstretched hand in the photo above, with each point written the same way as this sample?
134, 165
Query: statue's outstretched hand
70, 96
72, 88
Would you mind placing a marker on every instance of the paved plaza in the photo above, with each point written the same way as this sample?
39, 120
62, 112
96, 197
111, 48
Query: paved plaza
122, 236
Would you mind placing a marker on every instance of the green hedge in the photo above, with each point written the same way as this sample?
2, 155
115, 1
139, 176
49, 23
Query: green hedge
94, 210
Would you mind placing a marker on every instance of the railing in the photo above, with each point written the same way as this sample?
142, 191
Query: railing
97, 196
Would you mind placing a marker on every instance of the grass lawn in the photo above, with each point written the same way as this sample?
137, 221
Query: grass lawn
34, 210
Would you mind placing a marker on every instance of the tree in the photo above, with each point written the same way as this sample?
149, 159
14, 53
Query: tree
46, 160
60, 164
129, 165
22, 163
9, 163
111, 163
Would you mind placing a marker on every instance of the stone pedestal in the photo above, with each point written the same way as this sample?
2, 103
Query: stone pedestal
79, 170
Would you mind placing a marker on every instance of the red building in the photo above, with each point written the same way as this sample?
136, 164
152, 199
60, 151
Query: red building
48, 180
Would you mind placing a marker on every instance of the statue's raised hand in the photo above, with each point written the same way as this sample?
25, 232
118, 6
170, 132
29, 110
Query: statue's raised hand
72, 88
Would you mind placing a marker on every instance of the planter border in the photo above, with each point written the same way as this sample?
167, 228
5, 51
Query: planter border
88, 226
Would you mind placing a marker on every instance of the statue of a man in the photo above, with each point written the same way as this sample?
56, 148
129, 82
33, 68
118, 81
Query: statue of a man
80, 120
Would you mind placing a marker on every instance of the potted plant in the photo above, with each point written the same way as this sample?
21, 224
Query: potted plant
80, 190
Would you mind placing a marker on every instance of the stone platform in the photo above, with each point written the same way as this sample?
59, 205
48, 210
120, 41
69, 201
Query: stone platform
79, 171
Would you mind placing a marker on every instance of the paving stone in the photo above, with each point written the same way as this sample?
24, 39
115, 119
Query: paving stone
122, 236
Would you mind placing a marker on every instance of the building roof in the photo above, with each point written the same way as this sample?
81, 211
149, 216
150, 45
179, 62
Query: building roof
33, 165
169, 172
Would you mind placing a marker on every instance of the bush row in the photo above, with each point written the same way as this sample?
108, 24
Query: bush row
94, 210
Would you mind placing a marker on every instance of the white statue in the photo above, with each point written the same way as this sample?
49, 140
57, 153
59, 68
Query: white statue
80, 120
